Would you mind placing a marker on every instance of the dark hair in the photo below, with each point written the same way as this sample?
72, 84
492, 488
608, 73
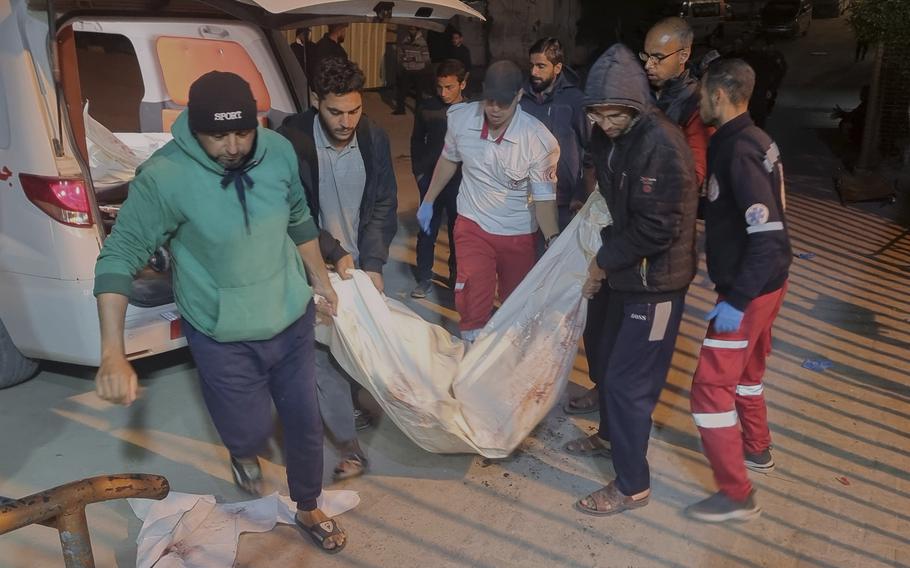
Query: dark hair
732, 76
335, 27
338, 76
455, 31
550, 47
302, 31
452, 67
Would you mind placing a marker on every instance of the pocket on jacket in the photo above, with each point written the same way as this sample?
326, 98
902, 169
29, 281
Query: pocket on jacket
257, 311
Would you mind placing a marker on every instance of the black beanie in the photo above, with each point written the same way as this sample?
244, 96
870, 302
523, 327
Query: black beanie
221, 102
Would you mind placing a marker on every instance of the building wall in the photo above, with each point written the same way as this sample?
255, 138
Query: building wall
366, 46
894, 127
514, 25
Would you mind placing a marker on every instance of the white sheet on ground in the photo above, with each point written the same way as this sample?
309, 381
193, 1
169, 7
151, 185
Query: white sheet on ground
486, 397
193, 531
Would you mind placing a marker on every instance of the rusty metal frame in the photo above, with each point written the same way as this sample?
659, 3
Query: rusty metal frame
63, 508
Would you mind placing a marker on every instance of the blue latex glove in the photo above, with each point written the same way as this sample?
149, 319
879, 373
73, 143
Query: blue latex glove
425, 216
726, 318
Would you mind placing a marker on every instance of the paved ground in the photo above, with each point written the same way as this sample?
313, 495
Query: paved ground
840, 496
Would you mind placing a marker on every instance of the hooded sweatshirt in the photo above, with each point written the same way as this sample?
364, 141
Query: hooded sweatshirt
233, 281
562, 112
648, 180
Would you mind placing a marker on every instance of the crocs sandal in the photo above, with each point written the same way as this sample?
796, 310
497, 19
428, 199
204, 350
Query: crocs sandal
322, 531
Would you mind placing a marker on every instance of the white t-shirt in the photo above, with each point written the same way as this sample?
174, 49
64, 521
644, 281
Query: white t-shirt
502, 178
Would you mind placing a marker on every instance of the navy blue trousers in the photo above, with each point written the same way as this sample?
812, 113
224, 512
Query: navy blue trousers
241, 379
446, 203
635, 348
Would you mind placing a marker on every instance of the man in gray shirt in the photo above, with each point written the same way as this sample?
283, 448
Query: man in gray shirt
346, 170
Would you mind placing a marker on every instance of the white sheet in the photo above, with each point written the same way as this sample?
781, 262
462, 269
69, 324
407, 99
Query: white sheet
486, 397
114, 157
193, 531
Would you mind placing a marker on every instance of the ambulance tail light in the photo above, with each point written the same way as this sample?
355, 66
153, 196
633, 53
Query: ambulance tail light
63, 199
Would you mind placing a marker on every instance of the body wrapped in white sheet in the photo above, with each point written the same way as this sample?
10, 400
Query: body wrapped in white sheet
452, 397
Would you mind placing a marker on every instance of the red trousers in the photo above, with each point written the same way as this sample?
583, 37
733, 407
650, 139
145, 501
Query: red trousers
728, 401
483, 260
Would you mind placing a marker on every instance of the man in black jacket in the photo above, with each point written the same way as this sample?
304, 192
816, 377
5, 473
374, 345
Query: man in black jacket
639, 277
427, 140
328, 46
748, 253
553, 97
346, 170
305, 51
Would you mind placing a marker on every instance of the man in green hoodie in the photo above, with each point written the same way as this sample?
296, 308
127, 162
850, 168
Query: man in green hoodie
225, 197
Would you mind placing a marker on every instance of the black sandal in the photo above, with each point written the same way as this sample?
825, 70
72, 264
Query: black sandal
322, 531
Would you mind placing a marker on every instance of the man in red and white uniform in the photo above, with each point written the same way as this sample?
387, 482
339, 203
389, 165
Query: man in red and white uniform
508, 190
749, 254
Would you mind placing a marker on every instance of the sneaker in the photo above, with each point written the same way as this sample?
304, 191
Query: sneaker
247, 475
362, 419
422, 289
719, 508
762, 462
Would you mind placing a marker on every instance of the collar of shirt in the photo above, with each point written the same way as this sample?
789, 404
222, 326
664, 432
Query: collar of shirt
321, 139
511, 132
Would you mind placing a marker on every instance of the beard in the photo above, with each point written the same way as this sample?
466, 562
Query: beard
539, 85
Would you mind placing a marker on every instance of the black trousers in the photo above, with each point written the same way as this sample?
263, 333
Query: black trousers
632, 353
409, 81
446, 202
240, 381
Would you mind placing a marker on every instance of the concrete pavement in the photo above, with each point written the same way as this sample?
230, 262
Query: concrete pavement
839, 497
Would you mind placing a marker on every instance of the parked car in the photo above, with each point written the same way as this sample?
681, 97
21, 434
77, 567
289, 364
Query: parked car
706, 17
786, 17
87, 93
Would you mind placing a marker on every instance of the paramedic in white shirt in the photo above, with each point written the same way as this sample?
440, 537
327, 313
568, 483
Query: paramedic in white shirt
508, 191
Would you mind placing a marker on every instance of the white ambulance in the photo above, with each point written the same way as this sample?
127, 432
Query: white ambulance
88, 89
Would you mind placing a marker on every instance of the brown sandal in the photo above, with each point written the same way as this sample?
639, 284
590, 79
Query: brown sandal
584, 404
609, 501
590, 446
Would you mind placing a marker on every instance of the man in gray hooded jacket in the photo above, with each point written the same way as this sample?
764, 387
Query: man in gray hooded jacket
638, 280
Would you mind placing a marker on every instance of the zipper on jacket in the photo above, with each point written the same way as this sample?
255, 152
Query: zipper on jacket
610, 156
643, 271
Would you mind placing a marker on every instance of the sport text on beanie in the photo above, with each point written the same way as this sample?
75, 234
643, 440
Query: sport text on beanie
221, 102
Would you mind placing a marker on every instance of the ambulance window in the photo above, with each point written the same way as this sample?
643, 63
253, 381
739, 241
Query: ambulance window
4, 118
111, 80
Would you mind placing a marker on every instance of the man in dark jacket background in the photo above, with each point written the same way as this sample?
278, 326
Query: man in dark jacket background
427, 141
328, 46
639, 277
346, 169
553, 97
305, 51
668, 47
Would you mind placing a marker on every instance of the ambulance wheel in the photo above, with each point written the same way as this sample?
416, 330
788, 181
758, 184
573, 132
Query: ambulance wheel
14, 367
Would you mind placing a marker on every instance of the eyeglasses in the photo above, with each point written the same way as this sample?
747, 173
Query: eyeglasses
656, 58
615, 119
